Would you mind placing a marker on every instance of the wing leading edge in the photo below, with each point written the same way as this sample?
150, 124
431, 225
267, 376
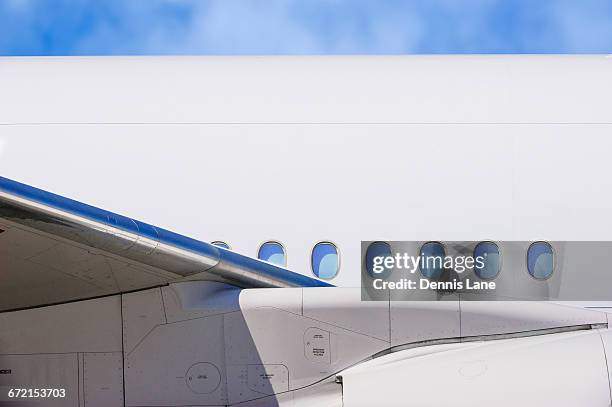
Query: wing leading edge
99, 232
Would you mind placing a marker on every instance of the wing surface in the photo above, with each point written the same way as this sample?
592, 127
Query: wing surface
54, 249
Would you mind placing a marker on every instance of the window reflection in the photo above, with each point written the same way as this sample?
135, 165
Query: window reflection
272, 252
487, 260
325, 260
540, 260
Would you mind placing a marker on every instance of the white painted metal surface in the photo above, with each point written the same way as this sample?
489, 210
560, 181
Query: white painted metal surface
408, 148
349, 89
303, 150
76, 347
551, 370
279, 181
54, 329
205, 343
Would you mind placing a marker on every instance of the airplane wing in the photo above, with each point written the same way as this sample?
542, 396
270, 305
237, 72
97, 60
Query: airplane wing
54, 249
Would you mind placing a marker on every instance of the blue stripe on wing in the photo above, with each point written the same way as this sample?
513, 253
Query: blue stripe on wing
158, 234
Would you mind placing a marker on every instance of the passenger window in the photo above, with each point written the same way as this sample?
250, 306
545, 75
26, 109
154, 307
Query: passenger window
272, 252
540, 260
487, 260
432, 259
219, 243
325, 260
374, 250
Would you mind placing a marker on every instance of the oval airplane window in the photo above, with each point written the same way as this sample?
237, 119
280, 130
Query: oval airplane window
219, 243
432, 259
487, 260
325, 260
540, 260
374, 266
272, 252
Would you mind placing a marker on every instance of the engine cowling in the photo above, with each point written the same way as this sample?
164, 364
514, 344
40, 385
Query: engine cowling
560, 369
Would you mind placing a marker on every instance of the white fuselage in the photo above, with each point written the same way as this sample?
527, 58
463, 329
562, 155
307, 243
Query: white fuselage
303, 150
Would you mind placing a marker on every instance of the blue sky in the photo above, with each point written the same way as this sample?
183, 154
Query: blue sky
230, 27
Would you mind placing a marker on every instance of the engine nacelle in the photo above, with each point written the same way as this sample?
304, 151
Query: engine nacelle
562, 369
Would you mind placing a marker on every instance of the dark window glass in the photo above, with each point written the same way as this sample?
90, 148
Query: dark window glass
432, 259
374, 250
221, 244
540, 260
487, 260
